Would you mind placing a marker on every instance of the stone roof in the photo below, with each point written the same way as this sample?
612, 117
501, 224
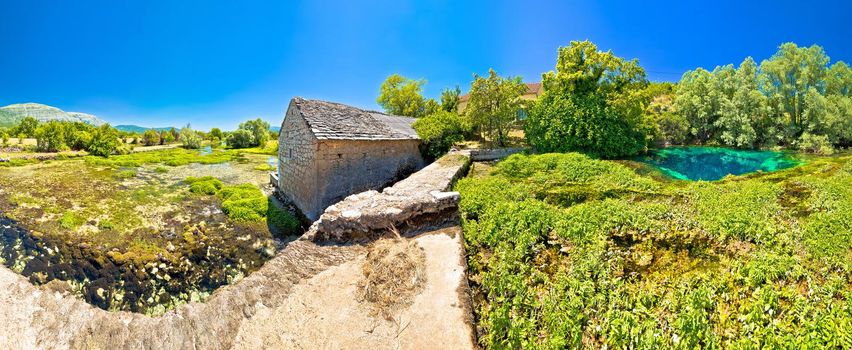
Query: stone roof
336, 121
532, 89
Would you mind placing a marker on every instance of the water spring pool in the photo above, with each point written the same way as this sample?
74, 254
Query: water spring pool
713, 163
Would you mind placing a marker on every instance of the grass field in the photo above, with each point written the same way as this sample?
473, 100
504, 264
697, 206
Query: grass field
569, 252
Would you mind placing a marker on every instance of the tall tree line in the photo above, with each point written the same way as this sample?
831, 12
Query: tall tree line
793, 99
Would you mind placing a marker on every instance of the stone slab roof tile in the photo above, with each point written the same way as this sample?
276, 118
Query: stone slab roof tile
336, 121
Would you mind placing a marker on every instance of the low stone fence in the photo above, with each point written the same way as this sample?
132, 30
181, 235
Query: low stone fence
483, 155
419, 201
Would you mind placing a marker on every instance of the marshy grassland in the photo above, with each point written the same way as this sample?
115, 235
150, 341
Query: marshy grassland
566, 251
134, 232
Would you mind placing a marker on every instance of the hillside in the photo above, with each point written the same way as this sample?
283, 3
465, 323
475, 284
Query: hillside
138, 129
12, 114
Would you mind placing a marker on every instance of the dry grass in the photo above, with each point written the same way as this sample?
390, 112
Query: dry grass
394, 273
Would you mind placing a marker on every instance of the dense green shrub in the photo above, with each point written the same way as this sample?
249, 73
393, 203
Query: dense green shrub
282, 221
439, 131
743, 210
243, 202
151, 137
190, 138
204, 185
105, 142
240, 138
588, 125
746, 262
817, 144
593, 102
252, 133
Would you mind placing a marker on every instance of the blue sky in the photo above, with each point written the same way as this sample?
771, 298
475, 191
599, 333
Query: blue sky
216, 63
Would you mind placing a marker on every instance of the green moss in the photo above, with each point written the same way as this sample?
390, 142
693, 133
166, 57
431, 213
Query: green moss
125, 174
204, 185
243, 202
170, 157
264, 167
71, 220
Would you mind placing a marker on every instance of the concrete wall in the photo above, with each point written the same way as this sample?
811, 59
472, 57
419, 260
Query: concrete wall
352, 166
297, 163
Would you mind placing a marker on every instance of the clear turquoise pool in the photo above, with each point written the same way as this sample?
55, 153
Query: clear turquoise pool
714, 163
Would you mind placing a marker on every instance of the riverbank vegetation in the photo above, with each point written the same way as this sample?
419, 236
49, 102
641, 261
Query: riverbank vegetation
145, 231
565, 251
603, 105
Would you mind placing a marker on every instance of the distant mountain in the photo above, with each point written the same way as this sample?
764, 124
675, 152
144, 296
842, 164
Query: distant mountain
11, 115
276, 129
138, 129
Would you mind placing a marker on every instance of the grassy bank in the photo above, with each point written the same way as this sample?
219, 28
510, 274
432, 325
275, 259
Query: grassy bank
570, 252
133, 232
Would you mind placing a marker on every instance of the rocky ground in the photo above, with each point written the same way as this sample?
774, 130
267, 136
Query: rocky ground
310, 295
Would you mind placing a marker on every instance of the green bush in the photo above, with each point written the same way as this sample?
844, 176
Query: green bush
240, 138
105, 142
817, 144
743, 210
282, 221
243, 202
204, 185
439, 132
151, 137
190, 138
590, 125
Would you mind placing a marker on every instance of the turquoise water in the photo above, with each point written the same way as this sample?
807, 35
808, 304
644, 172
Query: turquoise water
714, 163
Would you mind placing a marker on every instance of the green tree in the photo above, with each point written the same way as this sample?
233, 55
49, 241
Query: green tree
215, 134
105, 141
151, 137
742, 107
697, 100
399, 95
838, 81
166, 137
50, 136
787, 77
493, 105
439, 131
175, 134
259, 130
593, 102
450, 99
4, 137
27, 127
240, 138
190, 138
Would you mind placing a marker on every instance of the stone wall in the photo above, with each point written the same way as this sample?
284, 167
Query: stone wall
421, 200
345, 167
298, 178
486, 154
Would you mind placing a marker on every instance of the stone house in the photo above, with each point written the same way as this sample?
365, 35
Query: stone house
328, 151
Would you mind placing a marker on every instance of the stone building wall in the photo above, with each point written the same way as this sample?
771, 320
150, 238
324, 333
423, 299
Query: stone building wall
297, 162
353, 166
